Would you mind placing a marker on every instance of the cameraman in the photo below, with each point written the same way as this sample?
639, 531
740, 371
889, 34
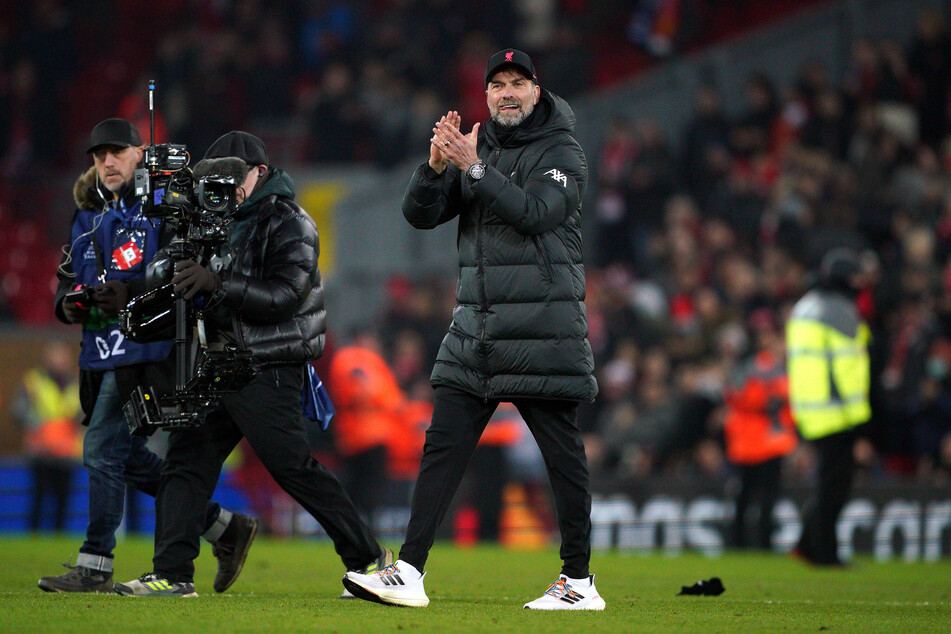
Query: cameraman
268, 298
103, 265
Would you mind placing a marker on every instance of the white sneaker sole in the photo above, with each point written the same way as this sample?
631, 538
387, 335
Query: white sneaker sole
385, 596
596, 603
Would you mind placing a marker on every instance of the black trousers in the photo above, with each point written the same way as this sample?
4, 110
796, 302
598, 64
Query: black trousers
821, 511
458, 421
268, 413
759, 484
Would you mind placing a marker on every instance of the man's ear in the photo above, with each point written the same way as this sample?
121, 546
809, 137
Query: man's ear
538, 93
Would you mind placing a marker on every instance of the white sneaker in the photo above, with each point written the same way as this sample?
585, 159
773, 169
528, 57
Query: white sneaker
397, 584
569, 594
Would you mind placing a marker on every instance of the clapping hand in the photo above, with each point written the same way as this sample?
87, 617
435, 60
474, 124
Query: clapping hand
454, 146
437, 158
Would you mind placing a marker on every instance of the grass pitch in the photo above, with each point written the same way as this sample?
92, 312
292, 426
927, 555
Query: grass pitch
292, 585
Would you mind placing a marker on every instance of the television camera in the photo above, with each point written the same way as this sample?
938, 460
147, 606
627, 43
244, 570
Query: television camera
198, 213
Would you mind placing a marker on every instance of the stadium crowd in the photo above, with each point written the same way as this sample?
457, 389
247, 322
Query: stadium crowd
321, 80
700, 244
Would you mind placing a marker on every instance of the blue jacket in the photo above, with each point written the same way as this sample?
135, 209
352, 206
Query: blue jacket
111, 243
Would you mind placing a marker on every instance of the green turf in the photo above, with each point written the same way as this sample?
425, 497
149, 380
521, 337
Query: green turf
292, 586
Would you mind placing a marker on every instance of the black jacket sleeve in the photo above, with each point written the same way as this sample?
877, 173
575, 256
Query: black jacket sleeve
432, 199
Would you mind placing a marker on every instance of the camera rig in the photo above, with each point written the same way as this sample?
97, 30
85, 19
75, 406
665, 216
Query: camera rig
217, 373
199, 218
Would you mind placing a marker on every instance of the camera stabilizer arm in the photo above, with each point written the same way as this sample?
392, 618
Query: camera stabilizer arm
200, 224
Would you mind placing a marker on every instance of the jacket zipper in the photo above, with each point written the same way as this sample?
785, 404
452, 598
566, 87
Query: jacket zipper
485, 301
484, 305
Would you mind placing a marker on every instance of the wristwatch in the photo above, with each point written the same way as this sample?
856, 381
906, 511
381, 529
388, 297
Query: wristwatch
476, 171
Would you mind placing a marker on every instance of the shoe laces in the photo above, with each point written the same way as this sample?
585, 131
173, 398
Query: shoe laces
562, 588
68, 565
388, 570
79, 571
558, 588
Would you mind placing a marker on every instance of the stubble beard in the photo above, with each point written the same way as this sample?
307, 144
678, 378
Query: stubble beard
512, 121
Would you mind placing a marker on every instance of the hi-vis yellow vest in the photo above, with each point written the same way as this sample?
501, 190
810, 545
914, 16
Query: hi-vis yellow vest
828, 364
51, 427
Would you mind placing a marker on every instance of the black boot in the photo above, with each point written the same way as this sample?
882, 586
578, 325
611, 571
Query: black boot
231, 549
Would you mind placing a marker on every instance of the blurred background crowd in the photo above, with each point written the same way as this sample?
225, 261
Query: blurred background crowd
700, 244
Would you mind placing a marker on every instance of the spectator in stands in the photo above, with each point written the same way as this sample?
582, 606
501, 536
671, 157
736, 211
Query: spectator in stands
47, 409
758, 428
752, 132
827, 128
826, 337
613, 219
930, 62
337, 119
707, 131
519, 330
110, 244
651, 179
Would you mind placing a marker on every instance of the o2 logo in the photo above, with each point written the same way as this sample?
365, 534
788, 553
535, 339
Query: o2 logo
106, 347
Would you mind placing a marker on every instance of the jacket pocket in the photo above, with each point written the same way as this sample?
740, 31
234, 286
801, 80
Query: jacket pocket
545, 263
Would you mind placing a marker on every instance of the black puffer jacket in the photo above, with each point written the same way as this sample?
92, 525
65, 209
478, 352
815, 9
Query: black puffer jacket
519, 328
272, 286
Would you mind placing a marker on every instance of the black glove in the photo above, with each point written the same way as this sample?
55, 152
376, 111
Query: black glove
73, 313
111, 297
192, 278
712, 587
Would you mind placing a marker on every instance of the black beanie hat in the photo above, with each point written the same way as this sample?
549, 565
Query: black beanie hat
242, 145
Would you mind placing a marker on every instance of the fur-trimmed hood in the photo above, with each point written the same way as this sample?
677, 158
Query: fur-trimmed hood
85, 193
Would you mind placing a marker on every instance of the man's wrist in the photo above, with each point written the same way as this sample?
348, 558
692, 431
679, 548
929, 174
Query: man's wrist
476, 170
438, 168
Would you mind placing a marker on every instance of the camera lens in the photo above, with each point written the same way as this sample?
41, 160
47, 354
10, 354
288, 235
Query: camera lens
216, 199
216, 194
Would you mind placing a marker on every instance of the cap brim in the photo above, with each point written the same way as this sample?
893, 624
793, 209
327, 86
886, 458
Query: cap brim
93, 148
513, 65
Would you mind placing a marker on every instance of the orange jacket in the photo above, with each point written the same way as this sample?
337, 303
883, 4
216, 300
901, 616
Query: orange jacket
504, 428
759, 424
405, 447
49, 416
367, 397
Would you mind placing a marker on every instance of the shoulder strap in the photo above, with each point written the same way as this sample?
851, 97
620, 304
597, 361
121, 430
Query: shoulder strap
100, 265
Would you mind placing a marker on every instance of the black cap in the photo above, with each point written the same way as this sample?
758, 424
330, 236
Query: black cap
242, 145
117, 132
510, 57
838, 266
